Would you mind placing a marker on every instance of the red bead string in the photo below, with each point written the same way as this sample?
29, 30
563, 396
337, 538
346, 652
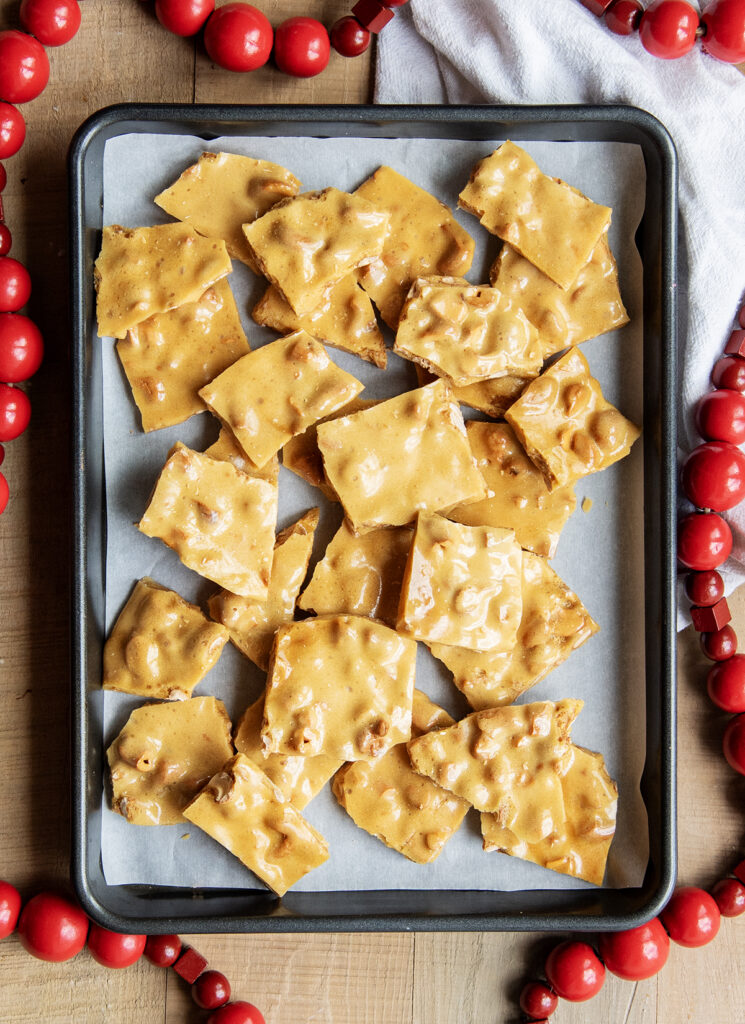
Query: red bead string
238, 37
713, 479
670, 28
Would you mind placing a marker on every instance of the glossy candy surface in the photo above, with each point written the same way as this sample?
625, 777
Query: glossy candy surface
636, 953
691, 917
574, 971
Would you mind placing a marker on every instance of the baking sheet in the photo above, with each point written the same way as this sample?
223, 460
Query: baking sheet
600, 554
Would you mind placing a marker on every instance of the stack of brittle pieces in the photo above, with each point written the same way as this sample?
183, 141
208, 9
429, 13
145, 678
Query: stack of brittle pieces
448, 526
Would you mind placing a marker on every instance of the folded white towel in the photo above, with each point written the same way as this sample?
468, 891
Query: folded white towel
531, 51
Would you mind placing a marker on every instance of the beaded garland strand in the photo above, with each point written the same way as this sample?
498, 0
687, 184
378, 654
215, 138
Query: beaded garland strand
713, 477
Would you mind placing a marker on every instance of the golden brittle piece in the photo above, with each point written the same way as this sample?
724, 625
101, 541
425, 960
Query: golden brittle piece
227, 449
508, 761
424, 238
554, 623
244, 812
170, 356
252, 624
406, 455
160, 646
302, 455
462, 585
164, 755
403, 809
579, 844
590, 306
549, 222
345, 320
306, 245
338, 685
223, 191
360, 575
466, 333
298, 778
218, 520
517, 496
494, 397
144, 271
565, 424
276, 392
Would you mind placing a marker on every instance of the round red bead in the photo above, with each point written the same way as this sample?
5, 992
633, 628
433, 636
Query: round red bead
210, 990
3, 178
725, 684
733, 744
720, 416
704, 540
668, 28
713, 474
163, 950
2, 455
15, 285
636, 953
537, 1000
24, 67
114, 949
691, 917
6, 240
729, 372
12, 130
301, 47
724, 31
236, 1013
349, 38
574, 971
10, 898
719, 645
53, 22
623, 17
4, 493
704, 588
729, 895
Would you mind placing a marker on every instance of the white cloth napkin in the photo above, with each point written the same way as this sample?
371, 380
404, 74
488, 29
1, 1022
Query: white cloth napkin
531, 51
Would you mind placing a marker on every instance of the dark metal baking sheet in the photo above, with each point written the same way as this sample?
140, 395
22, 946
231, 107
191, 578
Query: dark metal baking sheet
155, 909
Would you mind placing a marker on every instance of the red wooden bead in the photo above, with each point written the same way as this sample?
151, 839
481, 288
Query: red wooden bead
3, 177
6, 240
720, 416
574, 971
668, 28
729, 895
719, 645
724, 30
190, 965
733, 744
725, 684
2, 455
239, 1012
704, 540
372, 15
349, 38
163, 950
210, 990
735, 344
636, 953
597, 7
537, 1000
711, 619
739, 871
704, 588
691, 917
741, 316
624, 16
4, 493
713, 474
729, 372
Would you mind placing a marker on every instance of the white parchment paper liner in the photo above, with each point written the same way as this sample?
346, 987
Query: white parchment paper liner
600, 554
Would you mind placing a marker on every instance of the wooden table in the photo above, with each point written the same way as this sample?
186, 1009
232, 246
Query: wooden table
121, 53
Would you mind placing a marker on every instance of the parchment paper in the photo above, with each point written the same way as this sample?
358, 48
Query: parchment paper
600, 553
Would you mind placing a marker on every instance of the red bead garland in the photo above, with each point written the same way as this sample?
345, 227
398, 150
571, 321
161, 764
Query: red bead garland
670, 28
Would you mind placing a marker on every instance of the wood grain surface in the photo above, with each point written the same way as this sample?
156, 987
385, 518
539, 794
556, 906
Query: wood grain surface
121, 54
